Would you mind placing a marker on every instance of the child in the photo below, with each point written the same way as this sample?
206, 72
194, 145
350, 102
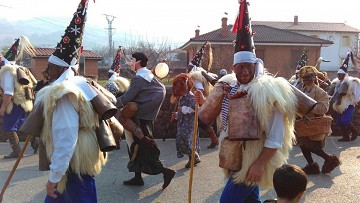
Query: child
184, 116
289, 183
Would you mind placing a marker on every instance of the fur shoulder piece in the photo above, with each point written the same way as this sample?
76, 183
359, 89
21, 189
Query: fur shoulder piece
196, 75
268, 92
122, 82
7, 68
229, 79
335, 81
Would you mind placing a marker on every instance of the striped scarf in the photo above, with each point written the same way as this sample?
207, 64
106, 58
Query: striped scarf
225, 107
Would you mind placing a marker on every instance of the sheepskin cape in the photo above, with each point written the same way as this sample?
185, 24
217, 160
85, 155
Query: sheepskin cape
196, 75
266, 93
19, 97
345, 102
87, 157
122, 83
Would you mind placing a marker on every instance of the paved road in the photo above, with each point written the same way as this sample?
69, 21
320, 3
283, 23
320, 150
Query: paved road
28, 184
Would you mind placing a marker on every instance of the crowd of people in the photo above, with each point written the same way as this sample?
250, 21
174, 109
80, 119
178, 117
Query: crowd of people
248, 113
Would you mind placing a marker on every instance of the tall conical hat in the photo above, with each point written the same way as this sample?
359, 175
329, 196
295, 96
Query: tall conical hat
244, 44
115, 67
199, 55
302, 61
344, 67
69, 49
16, 51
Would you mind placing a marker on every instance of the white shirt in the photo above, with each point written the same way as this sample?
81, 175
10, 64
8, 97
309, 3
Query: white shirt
276, 131
8, 83
65, 127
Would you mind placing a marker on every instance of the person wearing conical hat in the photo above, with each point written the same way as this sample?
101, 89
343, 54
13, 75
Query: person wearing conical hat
315, 144
258, 111
70, 143
16, 102
345, 94
117, 85
204, 81
295, 80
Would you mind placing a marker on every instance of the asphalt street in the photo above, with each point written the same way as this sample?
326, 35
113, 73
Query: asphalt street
28, 183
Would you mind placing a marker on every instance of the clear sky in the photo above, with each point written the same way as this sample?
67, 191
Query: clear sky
175, 20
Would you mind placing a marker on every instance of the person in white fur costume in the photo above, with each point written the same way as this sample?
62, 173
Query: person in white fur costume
70, 122
204, 81
258, 114
345, 94
16, 102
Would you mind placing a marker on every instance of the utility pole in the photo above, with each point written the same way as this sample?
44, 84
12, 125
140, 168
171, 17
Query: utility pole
110, 19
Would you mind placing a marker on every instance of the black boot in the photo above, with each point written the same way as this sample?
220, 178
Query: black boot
354, 131
137, 180
14, 143
35, 143
345, 134
168, 176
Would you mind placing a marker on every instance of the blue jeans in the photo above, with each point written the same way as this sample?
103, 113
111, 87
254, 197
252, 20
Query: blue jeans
240, 193
77, 190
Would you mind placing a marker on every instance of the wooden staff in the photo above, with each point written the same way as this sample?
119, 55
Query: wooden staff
14, 167
193, 151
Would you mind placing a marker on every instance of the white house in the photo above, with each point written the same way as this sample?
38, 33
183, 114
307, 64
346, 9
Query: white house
344, 37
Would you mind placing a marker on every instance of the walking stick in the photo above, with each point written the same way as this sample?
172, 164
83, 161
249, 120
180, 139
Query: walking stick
28, 138
193, 151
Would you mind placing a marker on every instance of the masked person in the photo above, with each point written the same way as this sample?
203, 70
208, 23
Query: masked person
258, 112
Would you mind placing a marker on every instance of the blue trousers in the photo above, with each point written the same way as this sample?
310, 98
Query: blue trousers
14, 120
240, 193
346, 116
77, 190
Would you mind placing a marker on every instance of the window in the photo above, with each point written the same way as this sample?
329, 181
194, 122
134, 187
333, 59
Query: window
345, 41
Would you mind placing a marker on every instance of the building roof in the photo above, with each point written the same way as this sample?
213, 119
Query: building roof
46, 52
263, 35
308, 26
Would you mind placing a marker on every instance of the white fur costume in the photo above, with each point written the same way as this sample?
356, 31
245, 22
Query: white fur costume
87, 157
266, 93
19, 90
351, 97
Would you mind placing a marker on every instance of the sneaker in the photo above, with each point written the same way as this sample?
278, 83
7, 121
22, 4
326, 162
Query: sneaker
312, 168
134, 181
330, 163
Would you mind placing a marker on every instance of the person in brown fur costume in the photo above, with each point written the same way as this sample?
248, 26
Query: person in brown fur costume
315, 144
